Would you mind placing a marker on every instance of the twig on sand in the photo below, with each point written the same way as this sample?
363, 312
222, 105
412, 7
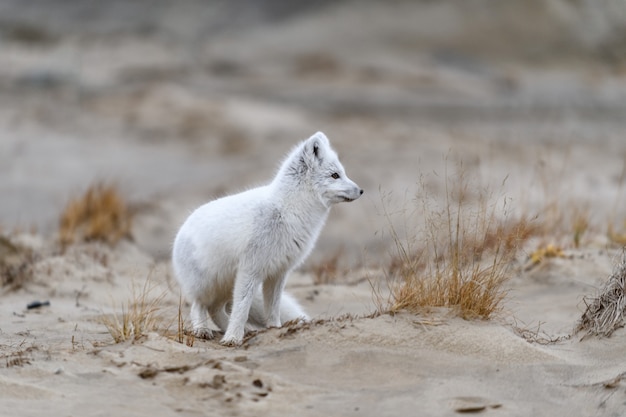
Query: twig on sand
538, 335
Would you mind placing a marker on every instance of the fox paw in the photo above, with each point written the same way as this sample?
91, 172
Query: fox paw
203, 333
231, 340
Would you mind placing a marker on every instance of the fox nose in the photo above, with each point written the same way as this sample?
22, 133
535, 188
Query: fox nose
361, 192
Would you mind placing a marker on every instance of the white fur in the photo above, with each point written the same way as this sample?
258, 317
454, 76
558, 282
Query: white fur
232, 255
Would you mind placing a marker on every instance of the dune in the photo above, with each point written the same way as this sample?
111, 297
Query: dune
61, 357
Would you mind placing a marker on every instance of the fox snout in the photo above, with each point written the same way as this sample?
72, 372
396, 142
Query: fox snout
353, 193
358, 192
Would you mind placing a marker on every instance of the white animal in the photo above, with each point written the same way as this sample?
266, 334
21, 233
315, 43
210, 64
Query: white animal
232, 255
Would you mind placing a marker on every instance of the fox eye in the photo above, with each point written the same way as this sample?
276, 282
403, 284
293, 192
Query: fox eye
335, 176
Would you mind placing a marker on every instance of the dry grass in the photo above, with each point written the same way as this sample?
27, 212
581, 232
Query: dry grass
543, 252
100, 214
139, 316
538, 335
327, 271
463, 260
605, 312
566, 221
182, 336
616, 236
16, 265
580, 225
147, 311
20, 357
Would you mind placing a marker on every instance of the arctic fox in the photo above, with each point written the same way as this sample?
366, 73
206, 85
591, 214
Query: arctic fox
232, 255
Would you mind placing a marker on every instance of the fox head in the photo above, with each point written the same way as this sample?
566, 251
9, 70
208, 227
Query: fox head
316, 165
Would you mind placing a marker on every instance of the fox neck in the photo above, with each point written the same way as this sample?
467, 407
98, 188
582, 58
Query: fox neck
300, 200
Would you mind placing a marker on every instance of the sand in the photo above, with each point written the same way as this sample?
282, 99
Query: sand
178, 105
61, 358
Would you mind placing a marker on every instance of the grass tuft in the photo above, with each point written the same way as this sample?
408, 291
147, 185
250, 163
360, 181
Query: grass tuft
548, 251
463, 259
16, 264
139, 316
183, 336
605, 312
100, 214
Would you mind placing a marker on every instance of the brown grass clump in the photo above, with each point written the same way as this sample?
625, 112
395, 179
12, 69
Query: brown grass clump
139, 316
16, 264
617, 237
462, 263
605, 312
548, 251
100, 214
327, 270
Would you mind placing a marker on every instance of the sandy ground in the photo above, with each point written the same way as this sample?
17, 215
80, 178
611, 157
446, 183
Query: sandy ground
180, 104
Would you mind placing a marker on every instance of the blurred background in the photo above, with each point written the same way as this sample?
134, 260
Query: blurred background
180, 102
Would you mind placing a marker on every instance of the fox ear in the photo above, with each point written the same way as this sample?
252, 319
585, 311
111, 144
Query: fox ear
318, 141
314, 149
